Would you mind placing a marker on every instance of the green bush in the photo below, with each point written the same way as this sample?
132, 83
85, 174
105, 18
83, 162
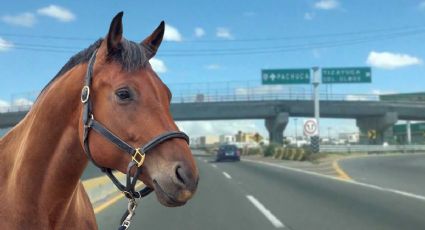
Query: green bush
253, 151
270, 150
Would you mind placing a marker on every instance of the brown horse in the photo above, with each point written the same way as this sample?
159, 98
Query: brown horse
42, 158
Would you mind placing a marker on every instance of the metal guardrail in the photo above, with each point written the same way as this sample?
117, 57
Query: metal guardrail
371, 148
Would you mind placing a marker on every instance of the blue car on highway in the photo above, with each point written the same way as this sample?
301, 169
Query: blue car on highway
228, 152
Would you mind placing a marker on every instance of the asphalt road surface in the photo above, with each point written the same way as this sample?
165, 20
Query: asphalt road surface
91, 171
247, 195
401, 172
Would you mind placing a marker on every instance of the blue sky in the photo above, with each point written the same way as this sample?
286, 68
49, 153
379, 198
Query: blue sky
387, 35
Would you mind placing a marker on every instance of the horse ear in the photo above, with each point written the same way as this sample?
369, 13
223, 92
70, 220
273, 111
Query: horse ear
153, 41
114, 36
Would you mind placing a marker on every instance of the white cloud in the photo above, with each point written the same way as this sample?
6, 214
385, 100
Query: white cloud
172, 34
202, 128
381, 92
326, 4
212, 66
158, 65
24, 19
22, 102
5, 45
261, 90
357, 98
199, 32
57, 12
223, 32
4, 106
387, 60
309, 16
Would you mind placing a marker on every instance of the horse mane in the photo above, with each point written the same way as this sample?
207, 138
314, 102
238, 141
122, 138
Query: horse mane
131, 55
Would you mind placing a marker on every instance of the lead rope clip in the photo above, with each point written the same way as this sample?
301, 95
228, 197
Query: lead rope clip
132, 205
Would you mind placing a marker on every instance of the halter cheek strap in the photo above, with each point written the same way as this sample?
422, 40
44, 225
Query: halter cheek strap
137, 154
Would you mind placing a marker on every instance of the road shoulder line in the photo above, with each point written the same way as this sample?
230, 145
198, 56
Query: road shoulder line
375, 187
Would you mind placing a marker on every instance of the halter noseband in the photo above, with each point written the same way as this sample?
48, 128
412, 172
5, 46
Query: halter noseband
137, 154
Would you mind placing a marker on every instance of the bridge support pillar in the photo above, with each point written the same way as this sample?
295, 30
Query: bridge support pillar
276, 125
381, 125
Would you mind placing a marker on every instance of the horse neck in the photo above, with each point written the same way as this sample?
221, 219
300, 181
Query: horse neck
45, 149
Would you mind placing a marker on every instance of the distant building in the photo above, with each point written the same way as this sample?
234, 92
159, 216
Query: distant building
248, 137
225, 139
352, 138
206, 141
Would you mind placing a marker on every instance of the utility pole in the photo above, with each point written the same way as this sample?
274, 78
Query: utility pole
329, 133
315, 140
316, 83
409, 133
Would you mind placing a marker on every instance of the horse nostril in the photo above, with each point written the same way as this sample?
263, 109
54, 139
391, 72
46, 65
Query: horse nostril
180, 174
185, 177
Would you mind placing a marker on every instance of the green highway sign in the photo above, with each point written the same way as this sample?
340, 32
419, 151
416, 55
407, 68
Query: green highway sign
285, 76
414, 128
347, 75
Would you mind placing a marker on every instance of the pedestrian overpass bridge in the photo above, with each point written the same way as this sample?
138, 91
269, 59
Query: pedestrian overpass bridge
276, 110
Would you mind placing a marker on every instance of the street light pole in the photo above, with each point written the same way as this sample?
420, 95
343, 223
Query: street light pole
315, 140
329, 133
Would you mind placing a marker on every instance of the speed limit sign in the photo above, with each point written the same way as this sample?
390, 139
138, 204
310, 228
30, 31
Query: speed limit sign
310, 127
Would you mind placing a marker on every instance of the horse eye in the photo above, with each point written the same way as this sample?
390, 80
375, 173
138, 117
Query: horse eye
123, 94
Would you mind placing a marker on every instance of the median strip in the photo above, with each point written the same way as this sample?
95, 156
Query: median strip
272, 218
341, 174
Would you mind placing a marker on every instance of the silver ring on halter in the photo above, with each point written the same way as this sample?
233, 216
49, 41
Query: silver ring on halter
85, 94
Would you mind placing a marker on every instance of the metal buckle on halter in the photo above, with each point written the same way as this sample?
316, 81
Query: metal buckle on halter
138, 157
85, 94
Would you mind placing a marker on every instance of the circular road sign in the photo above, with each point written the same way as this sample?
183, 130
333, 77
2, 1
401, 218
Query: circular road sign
310, 127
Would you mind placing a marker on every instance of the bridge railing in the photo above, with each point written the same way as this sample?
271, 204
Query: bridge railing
249, 90
371, 148
25, 104
252, 96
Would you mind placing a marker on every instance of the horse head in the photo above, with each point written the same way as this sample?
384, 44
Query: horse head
129, 99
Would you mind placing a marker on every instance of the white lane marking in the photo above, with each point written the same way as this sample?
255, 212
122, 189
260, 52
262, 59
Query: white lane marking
227, 175
214, 165
272, 218
390, 190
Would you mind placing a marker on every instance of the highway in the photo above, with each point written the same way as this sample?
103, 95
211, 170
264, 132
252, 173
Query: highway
248, 195
401, 172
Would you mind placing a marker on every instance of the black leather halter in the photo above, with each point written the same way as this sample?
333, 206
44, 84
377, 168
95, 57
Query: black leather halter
137, 154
